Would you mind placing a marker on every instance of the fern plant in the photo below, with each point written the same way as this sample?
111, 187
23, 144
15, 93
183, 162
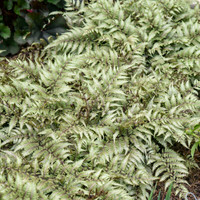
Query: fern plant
97, 116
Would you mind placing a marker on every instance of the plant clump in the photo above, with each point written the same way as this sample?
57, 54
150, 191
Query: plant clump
98, 115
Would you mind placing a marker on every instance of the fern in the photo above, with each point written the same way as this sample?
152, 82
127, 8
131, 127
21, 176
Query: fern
96, 117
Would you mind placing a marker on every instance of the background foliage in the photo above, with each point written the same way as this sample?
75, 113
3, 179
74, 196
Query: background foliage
98, 114
24, 21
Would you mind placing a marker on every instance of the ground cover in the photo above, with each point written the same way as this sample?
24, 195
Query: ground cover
104, 111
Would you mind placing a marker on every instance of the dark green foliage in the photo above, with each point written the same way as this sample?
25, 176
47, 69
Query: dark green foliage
97, 116
23, 21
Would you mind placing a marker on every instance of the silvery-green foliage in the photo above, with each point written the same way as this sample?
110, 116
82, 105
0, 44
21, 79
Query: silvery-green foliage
98, 116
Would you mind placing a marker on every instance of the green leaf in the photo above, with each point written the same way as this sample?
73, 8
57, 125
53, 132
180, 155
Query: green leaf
19, 38
194, 147
152, 192
4, 31
8, 4
169, 192
54, 1
159, 195
14, 49
196, 127
12, 123
20, 5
